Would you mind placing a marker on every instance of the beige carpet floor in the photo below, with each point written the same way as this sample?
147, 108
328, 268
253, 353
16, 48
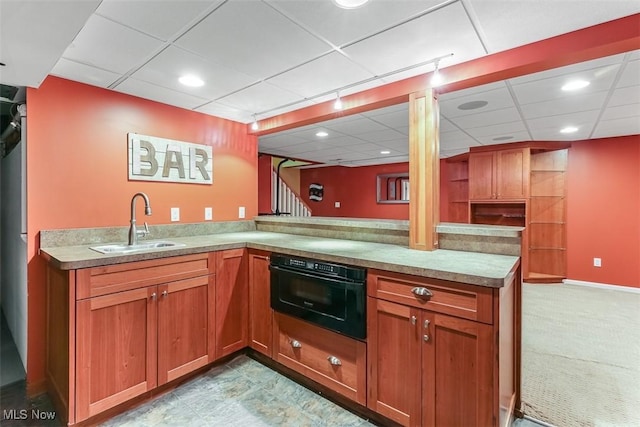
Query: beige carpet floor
581, 356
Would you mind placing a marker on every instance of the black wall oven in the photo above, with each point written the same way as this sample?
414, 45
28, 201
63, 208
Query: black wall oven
327, 294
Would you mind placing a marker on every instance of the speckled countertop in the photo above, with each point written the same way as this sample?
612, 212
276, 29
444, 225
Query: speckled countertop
467, 267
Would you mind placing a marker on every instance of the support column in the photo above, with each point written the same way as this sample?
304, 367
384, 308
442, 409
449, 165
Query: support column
424, 170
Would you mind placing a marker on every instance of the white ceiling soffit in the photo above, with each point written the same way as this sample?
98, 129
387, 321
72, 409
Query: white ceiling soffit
264, 58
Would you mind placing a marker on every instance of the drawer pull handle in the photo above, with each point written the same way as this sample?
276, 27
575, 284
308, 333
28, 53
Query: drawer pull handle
295, 344
153, 295
422, 292
426, 324
334, 361
413, 320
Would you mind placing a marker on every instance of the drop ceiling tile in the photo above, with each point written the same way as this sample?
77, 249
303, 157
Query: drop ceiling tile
321, 75
101, 43
159, 94
582, 120
507, 24
393, 119
488, 118
472, 91
260, 98
442, 32
32, 38
630, 74
341, 26
622, 112
455, 140
172, 63
627, 95
500, 139
255, 40
553, 134
286, 109
618, 127
381, 136
158, 18
84, 73
226, 112
496, 99
356, 126
568, 104
348, 142
398, 108
601, 79
502, 129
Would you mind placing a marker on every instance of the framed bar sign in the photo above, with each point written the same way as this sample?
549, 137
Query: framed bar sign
159, 159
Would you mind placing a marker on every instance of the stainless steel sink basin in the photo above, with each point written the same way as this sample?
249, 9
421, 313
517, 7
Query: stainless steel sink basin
142, 246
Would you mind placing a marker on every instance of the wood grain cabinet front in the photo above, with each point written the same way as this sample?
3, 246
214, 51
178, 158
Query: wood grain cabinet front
232, 298
331, 359
449, 363
499, 175
260, 312
115, 346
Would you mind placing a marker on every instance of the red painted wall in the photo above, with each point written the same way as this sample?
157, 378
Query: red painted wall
604, 211
264, 183
354, 188
77, 173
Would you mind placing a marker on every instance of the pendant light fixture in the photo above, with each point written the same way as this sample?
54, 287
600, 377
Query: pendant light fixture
436, 78
254, 125
338, 104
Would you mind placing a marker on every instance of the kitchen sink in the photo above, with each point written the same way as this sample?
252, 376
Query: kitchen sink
142, 246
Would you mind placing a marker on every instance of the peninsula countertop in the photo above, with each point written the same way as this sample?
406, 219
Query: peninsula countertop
474, 268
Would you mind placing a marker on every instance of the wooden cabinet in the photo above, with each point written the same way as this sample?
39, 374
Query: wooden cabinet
499, 175
260, 312
126, 329
458, 188
331, 359
441, 360
232, 296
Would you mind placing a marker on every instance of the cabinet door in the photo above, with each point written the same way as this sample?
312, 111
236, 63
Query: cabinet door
260, 313
512, 174
183, 330
482, 176
393, 361
232, 301
457, 360
115, 349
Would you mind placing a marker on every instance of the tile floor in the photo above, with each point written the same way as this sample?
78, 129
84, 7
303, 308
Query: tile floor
241, 393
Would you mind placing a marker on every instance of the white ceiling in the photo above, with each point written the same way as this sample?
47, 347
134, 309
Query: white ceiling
272, 56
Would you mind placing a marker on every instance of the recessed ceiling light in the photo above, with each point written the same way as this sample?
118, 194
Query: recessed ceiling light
349, 4
472, 105
569, 129
191, 80
503, 138
575, 85
322, 133
385, 152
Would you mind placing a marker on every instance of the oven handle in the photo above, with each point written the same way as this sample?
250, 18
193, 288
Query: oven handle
313, 276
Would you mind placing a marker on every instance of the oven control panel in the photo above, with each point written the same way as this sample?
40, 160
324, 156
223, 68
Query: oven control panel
338, 270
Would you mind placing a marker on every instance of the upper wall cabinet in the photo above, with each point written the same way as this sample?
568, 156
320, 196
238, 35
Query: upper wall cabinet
499, 175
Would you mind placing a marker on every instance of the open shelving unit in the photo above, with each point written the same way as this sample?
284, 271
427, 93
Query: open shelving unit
458, 168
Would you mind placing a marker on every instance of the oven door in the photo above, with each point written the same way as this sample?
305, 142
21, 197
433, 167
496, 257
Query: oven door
335, 304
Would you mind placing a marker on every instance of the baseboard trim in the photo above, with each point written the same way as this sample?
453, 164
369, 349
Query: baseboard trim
537, 421
601, 286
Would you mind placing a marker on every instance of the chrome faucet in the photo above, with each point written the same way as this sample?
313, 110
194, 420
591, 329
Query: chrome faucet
133, 230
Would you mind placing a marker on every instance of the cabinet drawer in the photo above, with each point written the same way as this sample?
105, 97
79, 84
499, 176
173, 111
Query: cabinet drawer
331, 359
104, 280
456, 299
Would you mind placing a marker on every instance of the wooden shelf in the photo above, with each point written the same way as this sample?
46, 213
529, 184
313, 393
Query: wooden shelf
534, 277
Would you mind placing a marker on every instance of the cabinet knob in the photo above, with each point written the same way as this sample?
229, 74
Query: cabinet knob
422, 292
153, 295
295, 344
165, 293
426, 324
413, 320
425, 337
334, 361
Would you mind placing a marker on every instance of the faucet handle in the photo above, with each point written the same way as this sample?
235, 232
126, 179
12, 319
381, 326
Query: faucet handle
145, 231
